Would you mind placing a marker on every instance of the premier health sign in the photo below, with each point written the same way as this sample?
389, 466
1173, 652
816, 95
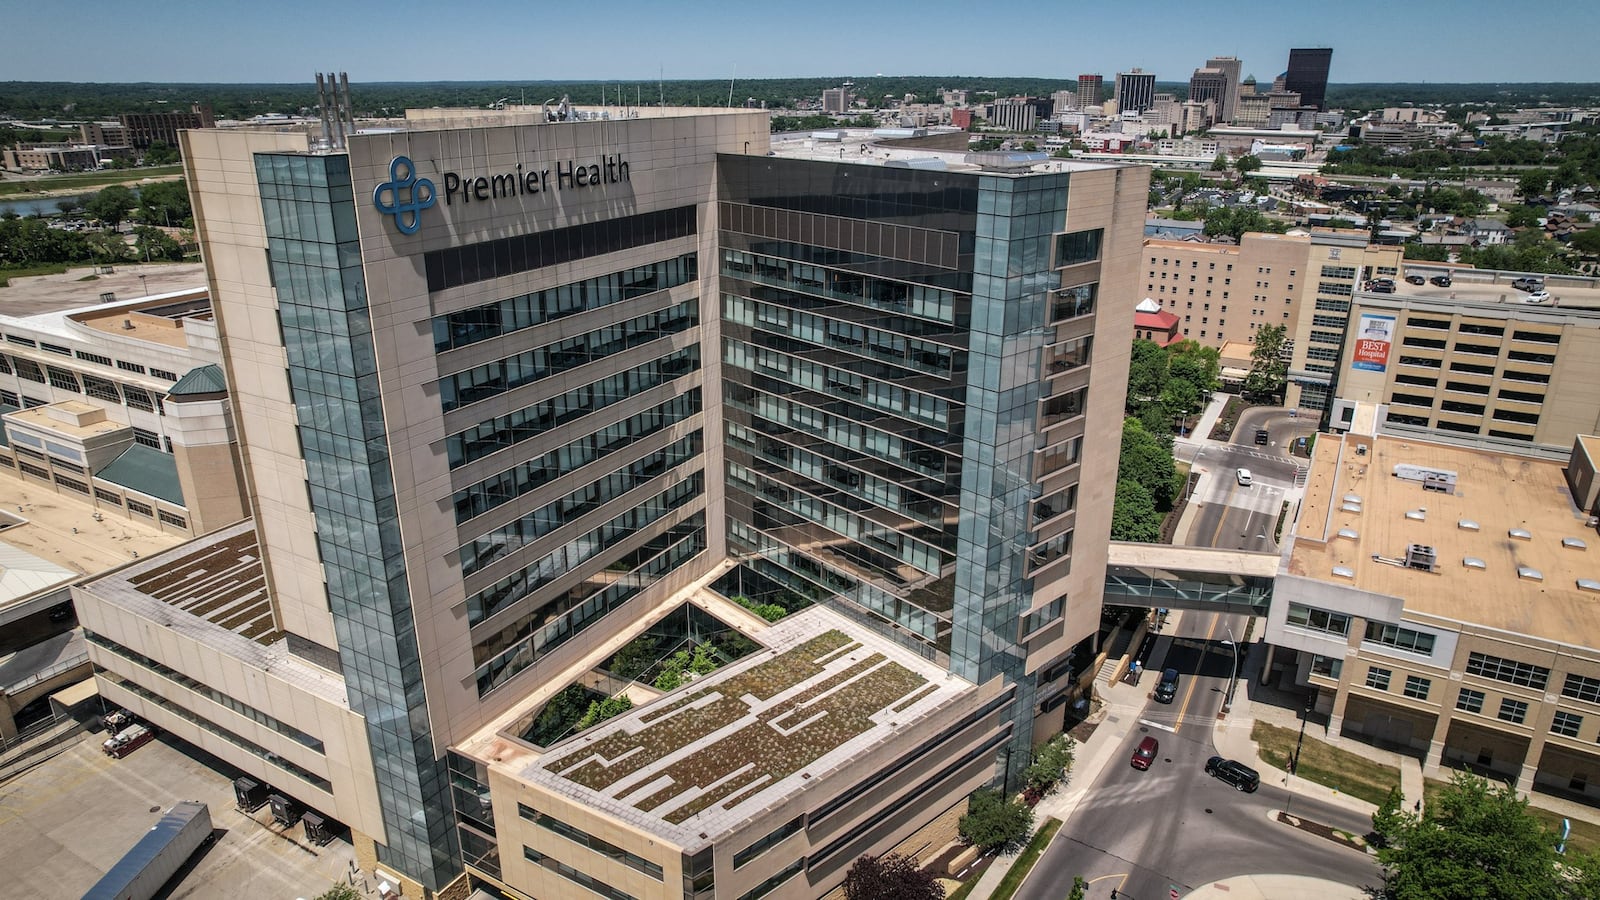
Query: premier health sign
1373, 340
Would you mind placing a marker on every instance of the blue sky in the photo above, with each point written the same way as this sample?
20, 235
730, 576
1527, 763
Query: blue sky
631, 40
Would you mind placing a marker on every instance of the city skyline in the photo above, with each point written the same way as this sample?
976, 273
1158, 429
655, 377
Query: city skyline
1431, 41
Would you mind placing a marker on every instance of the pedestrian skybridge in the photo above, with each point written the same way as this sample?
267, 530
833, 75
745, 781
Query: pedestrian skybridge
1167, 577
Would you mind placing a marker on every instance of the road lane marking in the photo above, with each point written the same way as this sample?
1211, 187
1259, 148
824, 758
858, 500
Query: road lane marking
1194, 680
1171, 728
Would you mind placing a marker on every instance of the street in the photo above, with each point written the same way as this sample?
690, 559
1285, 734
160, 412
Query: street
1145, 833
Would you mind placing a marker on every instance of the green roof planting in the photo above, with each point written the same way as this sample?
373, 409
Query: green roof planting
146, 470
707, 755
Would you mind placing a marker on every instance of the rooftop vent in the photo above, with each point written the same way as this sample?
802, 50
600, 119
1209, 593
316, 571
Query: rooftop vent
1417, 515
1521, 534
1467, 525
1421, 556
1348, 533
1351, 508
1352, 498
1530, 573
1589, 584
1574, 544
1472, 562
1344, 572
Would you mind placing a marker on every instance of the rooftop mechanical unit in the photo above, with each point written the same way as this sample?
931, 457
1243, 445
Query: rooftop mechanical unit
1421, 556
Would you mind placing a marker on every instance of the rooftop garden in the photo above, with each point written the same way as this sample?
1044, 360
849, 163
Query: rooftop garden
758, 746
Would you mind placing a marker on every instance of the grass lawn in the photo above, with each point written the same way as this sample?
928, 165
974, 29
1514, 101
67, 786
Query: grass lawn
86, 181
42, 269
1024, 864
1585, 835
1326, 764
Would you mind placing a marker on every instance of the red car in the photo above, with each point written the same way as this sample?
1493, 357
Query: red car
1146, 753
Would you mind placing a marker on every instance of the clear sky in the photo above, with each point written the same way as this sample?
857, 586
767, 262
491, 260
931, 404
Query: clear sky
631, 40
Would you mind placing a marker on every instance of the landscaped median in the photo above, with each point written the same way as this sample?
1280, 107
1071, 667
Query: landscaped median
1325, 764
1019, 870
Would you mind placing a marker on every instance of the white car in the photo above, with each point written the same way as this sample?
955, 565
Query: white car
1537, 297
1244, 476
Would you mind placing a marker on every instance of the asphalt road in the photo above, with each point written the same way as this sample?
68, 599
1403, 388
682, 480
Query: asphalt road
1147, 832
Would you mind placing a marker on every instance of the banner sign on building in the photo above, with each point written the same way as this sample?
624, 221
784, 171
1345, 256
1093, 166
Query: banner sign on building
1373, 341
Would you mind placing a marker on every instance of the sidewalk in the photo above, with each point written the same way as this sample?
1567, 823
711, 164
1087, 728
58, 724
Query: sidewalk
1202, 429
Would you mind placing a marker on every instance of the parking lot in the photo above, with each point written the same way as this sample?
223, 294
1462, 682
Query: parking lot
69, 819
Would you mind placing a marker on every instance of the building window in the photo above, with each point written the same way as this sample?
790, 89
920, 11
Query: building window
771, 884
27, 368
1513, 711
1327, 666
1470, 700
163, 373
1566, 724
147, 438
573, 875
1314, 619
1580, 687
1078, 247
1508, 670
778, 835
1378, 679
173, 520
138, 398
1417, 687
101, 389
584, 839
143, 509
130, 367
86, 356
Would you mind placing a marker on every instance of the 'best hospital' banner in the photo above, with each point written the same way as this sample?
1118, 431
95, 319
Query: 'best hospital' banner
1373, 340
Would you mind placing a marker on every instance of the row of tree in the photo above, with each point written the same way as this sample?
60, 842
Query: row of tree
1166, 385
26, 243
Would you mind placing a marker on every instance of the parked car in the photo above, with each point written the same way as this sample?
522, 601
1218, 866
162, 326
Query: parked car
1380, 286
1145, 753
1244, 477
1528, 284
1167, 688
1540, 296
1228, 771
1416, 279
1440, 280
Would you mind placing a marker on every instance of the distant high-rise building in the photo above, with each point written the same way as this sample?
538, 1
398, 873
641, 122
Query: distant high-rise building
1308, 74
1211, 84
1090, 89
1229, 66
836, 100
1136, 90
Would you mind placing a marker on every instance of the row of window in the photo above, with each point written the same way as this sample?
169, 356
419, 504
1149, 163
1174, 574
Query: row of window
93, 385
1193, 264
546, 637
918, 300
885, 346
501, 487
838, 383
494, 545
784, 413
1416, 687
507, 374
86, 356
487, 438
469, 326
215, 696
590, 842
472, 263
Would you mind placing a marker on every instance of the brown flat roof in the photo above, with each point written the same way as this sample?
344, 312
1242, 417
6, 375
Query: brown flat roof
1499, 492
220, 580
142, 326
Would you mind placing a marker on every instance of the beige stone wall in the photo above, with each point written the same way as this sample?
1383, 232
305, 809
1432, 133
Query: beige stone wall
228, 221
1223, 292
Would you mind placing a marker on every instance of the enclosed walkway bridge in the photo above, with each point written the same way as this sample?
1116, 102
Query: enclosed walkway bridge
1201, 578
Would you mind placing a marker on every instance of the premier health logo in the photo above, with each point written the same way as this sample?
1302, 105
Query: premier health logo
404, 196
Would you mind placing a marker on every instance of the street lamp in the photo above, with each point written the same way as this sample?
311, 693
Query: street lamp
143, 287
1233, 676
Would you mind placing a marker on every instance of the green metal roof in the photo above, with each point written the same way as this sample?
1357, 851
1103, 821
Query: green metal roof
146, 470
207, 379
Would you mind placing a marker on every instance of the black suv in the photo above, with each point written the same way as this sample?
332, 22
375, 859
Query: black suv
1167, 687
1440, 280
1241, 776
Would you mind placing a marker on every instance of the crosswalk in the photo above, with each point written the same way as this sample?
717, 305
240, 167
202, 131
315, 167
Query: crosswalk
1259, 497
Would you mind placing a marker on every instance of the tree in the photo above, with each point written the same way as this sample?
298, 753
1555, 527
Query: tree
340, 892
1473, 840
1269, 374
1235, 221
1246, 164
165, 203
994, 822
1133, 514
601, 710
1428, 252
635, 657
1532, 184
68, 206
1147, 460
160, 154
1521, 216
111, 205
1079, 888
1193, 375
1051, 764
1220, 164
892, 877
1387, 819
151, 244
1147, 373
1587, 241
